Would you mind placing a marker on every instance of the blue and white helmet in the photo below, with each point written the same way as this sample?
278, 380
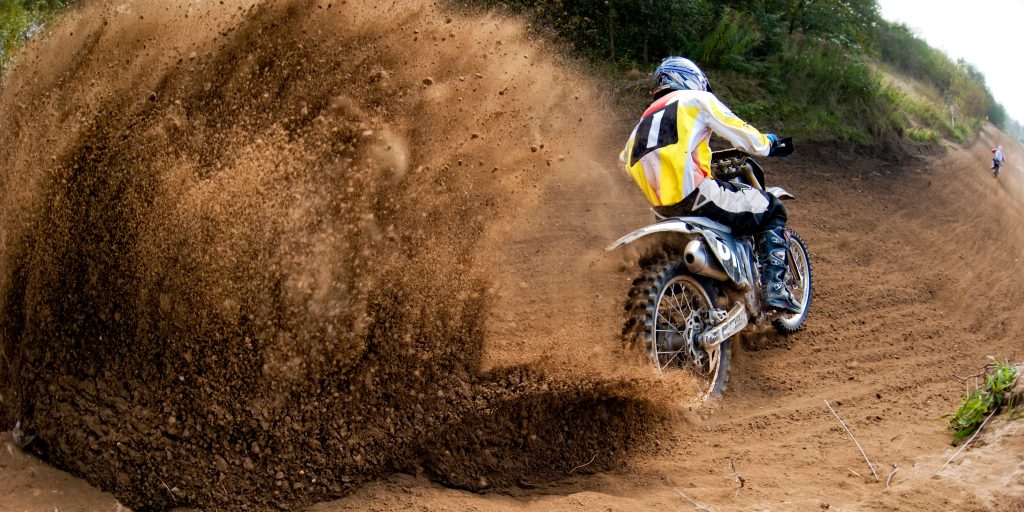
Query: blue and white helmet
676, 73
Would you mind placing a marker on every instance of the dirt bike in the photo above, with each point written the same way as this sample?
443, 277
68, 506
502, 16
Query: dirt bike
995, 168
702, 286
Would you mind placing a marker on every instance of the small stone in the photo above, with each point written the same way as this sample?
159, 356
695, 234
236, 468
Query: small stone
192, 56
534, 149
428, 81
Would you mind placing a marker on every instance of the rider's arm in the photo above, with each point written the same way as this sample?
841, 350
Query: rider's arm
735, 130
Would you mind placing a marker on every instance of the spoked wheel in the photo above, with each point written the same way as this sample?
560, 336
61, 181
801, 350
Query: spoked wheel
799, 282
668, 310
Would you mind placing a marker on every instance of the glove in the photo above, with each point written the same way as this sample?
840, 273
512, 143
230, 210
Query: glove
779, 147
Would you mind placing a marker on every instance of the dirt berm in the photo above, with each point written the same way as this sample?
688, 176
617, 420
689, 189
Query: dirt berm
247, 252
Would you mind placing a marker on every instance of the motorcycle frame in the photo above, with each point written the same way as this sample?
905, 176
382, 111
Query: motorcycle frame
735, 255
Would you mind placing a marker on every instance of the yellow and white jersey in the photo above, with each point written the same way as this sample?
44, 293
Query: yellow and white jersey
668, 153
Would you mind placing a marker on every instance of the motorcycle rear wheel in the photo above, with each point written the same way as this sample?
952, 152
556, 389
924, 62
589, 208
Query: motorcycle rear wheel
667, 310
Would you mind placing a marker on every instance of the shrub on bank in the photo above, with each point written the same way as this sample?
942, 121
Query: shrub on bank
810, 67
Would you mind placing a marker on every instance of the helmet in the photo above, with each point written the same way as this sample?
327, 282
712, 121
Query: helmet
677, 73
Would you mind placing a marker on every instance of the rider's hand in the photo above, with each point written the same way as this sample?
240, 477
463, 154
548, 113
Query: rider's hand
780, 147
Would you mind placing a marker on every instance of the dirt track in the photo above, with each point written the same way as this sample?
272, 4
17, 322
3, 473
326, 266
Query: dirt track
891, 323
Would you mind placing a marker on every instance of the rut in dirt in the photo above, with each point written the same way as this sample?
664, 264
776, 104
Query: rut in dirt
238, 254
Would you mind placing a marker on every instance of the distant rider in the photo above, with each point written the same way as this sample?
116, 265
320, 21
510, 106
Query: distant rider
997, 159
668, 156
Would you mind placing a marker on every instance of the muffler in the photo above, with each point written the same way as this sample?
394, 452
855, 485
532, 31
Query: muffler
701, 263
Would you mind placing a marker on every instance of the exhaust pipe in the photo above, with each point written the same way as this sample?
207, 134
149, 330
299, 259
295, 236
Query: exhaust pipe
701, 263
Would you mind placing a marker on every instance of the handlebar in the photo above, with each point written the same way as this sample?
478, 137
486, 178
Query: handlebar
783, 148
733, 163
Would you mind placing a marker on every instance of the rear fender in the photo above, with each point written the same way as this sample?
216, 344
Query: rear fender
717, 236
780, 193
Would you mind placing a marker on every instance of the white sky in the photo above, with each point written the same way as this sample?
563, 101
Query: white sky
986, 33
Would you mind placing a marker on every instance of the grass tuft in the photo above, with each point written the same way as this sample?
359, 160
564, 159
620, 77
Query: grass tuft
995, 392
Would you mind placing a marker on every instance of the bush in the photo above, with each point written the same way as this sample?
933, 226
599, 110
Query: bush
960, 85
995, 393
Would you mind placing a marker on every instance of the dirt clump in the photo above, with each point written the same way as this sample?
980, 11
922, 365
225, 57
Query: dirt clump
240, 261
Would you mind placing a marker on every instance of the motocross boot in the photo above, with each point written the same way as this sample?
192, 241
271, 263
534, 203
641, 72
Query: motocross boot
772, 246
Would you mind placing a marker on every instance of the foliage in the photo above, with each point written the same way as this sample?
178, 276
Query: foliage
961, 86
729, 44
806, 66
986, 400
19, 20
922, 135
617, 30
934, 118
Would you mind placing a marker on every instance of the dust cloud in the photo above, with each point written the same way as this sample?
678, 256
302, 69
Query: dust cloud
248, 252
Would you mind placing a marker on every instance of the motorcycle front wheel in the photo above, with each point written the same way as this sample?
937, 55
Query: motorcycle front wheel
667, 311
799, 281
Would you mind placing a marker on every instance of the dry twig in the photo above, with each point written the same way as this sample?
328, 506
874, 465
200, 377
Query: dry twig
859, 447
168, 489
739, 479
895, 468
694, 503
583, 465
968, 441
969, 377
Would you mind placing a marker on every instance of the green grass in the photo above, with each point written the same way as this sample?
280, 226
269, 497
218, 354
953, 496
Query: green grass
993, 394
923, 135
936, 121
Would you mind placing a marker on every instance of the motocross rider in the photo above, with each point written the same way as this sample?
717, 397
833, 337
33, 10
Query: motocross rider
668, 156
997, 158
